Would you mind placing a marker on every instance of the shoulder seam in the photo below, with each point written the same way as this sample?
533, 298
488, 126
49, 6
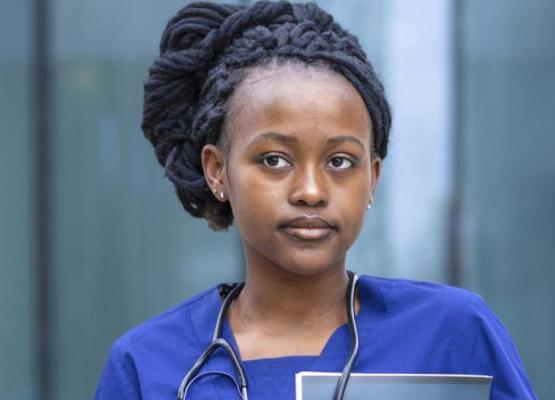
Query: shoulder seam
470, 297
192, 325
117, 362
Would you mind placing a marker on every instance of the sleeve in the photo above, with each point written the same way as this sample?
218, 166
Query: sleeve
119, 378
484, 346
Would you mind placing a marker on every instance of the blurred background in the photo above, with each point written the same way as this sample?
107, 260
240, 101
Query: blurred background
93, 239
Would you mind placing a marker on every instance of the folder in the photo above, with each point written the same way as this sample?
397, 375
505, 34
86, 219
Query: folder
321, 386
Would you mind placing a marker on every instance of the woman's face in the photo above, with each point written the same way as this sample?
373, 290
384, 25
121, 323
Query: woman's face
299, 174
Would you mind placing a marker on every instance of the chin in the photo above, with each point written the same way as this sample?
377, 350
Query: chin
310, 266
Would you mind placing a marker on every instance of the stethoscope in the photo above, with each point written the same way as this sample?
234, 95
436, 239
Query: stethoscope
219, 342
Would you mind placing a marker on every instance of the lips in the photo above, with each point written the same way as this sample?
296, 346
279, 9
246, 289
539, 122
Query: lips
310, 228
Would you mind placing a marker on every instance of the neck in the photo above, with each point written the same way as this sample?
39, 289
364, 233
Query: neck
278, 298
280, 313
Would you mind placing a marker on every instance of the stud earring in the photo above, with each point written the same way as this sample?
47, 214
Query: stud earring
369, 206
221, 195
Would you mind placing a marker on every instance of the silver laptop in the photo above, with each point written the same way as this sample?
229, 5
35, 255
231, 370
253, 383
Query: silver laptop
321, 386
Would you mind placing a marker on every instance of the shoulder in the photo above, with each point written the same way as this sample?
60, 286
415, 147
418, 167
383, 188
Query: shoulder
462, 316
146, 355
175, 322
460, 323
183, 329
398, 295
428, 310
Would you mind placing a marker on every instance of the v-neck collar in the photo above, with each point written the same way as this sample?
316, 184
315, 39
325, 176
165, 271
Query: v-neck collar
203, 320
339, 342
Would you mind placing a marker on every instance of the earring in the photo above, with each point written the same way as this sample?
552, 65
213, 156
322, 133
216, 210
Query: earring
369, 206
221, 195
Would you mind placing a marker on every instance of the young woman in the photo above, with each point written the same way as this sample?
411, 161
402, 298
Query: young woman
271, 117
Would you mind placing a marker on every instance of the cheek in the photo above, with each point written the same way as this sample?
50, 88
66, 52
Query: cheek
353, 198
252, 199
354, 189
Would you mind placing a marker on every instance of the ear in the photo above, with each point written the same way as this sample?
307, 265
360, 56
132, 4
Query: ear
213, 165
376, 169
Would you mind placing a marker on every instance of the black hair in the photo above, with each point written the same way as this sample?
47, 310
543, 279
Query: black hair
203, 50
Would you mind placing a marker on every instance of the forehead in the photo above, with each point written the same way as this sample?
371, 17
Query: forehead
307, 101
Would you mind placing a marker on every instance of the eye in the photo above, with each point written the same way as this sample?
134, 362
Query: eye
274, 161
341, 162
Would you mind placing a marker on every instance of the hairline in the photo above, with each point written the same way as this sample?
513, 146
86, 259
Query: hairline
243, 77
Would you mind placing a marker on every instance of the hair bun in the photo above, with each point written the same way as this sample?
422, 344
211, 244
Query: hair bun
190, 44
192, 24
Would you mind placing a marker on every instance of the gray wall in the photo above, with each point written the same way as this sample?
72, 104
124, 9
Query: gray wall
508, 76
16, 211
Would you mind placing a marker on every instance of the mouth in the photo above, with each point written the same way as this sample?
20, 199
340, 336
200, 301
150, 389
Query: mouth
311, 234
308, 228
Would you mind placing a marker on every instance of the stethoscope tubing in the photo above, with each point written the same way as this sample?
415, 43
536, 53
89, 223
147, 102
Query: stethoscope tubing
355, 342
219, 342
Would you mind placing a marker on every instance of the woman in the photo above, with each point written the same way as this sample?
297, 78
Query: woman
271, 117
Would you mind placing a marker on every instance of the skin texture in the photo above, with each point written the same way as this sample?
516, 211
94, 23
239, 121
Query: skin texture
300, 145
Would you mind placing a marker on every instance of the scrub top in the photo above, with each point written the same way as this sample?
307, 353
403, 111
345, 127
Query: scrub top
404, 326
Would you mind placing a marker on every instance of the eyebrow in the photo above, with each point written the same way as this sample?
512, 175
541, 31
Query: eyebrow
343, 139
276, 137
280, 137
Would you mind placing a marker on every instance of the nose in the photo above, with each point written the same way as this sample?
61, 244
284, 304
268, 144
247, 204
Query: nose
308, 187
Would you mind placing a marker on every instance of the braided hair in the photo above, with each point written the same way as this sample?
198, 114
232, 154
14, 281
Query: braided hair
204, 52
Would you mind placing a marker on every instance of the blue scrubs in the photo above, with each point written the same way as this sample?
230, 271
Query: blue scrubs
405, 327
